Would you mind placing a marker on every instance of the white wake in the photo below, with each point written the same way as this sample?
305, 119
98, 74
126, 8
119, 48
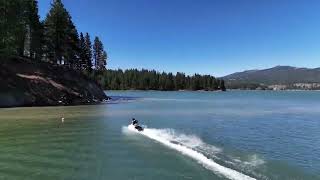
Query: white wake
185, 146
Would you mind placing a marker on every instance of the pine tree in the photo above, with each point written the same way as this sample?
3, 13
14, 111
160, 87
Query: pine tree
73, 50
82, 54
21, 21
98, 54
222, 86
20, 28
88, 52
9, 26
103, 60
61, 40
36, 31
96, 51
180, 81
169, 84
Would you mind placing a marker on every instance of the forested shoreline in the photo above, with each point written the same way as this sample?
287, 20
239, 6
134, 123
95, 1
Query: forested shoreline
56, 41
46, 62
134, 79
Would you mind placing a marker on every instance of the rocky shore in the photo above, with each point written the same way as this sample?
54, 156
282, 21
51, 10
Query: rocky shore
26, 83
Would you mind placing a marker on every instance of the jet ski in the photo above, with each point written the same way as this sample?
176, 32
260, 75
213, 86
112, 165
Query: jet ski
139, 128
136, 125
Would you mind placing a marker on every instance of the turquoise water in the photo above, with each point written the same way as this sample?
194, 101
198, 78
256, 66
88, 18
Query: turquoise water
240, 134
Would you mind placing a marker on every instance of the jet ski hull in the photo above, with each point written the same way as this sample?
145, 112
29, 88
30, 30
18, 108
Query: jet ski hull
139, 128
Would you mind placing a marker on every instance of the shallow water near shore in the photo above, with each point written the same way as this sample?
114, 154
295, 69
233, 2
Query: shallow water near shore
189, 135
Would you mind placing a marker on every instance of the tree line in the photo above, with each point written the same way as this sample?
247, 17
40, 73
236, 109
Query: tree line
55, 39
153, 80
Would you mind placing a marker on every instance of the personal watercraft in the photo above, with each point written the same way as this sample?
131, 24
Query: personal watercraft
136, 125
139, 128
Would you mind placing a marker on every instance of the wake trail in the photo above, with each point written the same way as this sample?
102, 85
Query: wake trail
169, 140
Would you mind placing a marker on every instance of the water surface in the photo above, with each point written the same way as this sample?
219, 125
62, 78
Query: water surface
258, 134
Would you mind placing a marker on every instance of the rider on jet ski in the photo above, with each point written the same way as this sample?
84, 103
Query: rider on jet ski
135, 124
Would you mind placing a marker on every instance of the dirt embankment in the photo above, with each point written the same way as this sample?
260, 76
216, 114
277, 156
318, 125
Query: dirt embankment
27, 83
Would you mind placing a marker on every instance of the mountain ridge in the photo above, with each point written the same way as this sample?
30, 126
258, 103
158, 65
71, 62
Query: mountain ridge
277, 75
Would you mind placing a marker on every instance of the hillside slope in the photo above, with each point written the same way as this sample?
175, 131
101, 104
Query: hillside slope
276, 75
25, 83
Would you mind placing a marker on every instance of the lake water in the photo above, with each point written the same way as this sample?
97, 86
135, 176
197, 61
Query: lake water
188, 135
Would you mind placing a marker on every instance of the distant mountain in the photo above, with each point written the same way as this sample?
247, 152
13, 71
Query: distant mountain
285, 75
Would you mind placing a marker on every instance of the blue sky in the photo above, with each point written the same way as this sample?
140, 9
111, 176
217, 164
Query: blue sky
214, 37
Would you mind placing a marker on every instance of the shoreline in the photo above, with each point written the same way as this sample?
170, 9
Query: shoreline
212, 90
59, 105
109, 99
273, 90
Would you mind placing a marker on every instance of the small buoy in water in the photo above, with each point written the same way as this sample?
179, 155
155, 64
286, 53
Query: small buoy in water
62, 119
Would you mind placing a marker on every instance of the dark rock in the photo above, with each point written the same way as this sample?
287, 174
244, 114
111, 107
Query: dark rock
27, 83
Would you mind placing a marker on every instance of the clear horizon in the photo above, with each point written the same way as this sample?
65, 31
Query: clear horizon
207, 37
